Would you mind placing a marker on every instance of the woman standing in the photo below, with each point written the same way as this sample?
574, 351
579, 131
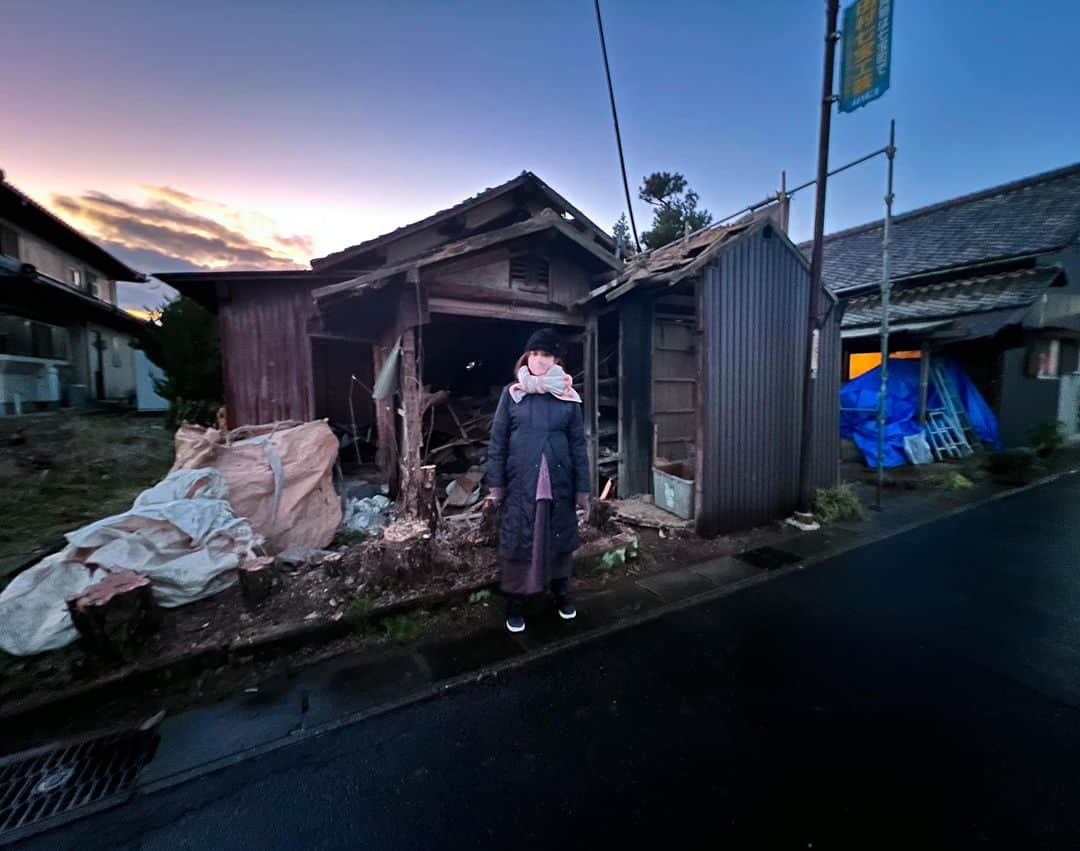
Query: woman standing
538, 471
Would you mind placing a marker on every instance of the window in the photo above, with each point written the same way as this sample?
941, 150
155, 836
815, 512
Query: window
9, 241
116, 352
530, 273
28, 338
75, 277
93, 285
1044, 359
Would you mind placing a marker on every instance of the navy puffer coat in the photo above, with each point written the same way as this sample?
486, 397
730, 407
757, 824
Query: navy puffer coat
521, 432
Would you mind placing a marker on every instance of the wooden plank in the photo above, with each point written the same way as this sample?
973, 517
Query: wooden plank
635, 372
518, 312
591, 397
386, 452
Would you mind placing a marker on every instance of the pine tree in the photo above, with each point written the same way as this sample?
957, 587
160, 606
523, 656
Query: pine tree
675, 208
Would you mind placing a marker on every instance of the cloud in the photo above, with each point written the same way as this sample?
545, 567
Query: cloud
185, 231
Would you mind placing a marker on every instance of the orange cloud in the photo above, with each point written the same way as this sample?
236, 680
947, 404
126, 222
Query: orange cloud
176, 225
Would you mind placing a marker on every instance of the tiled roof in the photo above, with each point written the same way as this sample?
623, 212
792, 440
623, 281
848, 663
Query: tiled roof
943, 301
1029, 216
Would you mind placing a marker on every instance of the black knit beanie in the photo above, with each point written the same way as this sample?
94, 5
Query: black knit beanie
545, 340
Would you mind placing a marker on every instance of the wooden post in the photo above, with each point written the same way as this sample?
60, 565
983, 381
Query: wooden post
427, 508
591, 398
411, 426
386, 452
924, 381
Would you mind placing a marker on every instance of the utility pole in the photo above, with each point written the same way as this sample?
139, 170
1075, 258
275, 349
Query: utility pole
804, 517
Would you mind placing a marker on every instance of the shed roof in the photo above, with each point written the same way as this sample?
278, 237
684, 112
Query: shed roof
685, 257
1031, 216
544, 220
944, 301
526, 178
22, 210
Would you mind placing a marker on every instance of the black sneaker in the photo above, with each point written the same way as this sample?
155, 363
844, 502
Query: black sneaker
515, 623
566, 608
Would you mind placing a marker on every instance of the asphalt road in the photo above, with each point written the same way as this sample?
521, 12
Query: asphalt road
920, 692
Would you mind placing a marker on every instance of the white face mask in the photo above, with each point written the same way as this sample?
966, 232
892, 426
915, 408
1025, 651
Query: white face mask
540, 362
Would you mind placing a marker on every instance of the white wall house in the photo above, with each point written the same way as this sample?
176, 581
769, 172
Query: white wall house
63, 339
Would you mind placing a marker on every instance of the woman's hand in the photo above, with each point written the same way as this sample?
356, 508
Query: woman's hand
584, 502
494, 497
568, 381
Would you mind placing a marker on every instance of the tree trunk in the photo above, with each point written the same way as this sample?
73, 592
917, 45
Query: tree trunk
115, 612
259, 578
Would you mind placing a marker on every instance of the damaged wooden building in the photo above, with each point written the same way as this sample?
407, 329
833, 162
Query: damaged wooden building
687, 356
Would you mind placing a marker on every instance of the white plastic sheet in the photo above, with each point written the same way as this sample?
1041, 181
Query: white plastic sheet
181, 533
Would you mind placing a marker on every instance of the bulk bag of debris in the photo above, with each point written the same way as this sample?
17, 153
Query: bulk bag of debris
280, 477
182, 534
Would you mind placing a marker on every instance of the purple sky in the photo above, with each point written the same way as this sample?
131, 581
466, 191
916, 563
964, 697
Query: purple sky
255, 134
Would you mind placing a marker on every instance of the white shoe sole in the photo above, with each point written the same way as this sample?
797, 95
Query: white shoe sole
567, 617
515, 628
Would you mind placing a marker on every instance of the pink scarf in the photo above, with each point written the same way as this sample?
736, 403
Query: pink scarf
554, 383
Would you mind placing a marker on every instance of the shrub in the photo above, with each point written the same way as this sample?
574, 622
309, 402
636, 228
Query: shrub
956, 482
403, 627
1047, 437
358, 609
832, 505
1015, 466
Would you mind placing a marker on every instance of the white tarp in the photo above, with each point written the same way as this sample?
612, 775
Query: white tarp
182, 533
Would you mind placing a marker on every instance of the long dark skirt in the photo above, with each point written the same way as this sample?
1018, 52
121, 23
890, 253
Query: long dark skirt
536, 575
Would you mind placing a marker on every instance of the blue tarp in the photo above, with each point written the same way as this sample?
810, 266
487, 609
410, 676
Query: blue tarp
902, 409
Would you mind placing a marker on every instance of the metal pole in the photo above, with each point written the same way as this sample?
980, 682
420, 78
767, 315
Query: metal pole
886, 285
806, 448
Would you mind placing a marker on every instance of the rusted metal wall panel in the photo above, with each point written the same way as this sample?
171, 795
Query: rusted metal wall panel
754, 300
267, 352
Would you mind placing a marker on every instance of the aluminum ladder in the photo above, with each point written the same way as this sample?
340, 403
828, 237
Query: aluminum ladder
953, 404
946, 437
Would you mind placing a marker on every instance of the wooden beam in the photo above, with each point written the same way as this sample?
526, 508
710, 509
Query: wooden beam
386, 452
924, 381
519, 312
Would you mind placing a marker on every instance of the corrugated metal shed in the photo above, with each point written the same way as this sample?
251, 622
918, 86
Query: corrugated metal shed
753, 289
754, 301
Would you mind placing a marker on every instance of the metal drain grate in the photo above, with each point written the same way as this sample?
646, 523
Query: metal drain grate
42, 785
768, 558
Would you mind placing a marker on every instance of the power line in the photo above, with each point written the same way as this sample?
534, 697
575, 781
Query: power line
615, 120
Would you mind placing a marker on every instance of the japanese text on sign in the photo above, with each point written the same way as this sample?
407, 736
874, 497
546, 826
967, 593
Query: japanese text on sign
864, 74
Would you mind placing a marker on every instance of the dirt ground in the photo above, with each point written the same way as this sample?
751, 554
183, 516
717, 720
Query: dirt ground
61, 471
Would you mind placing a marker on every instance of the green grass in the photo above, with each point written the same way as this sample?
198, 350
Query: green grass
956, 482
834, 505
58, 473
358, 610
404, 627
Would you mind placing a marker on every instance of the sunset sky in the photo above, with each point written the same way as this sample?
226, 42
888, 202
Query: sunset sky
260, 134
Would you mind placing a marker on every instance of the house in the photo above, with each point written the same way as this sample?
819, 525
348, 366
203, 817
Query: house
712, 334
990, 279
63, 339
438, 310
